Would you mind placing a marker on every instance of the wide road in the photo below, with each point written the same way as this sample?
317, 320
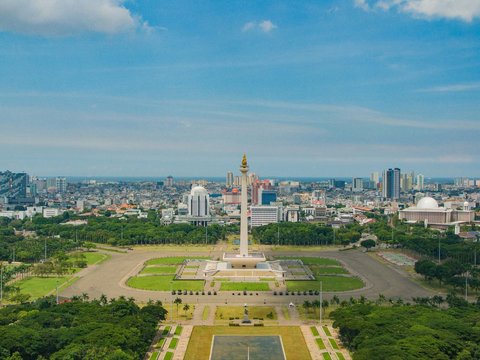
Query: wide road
109, 278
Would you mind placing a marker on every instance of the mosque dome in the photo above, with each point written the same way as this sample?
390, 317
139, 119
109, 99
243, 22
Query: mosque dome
427, 203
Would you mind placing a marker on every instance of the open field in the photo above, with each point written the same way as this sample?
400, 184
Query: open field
240, 286
201, 340
38, 287
159, 270
227, 312
178, 314
329, 283
312, 260
94, 258
164, 283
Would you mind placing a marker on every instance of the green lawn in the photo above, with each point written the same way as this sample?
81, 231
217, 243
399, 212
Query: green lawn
340, 356
166, 330
320, 344
314, 331
227, 312
240, 286
314, 260
159, 270
326, 356
93, 258
334, 344
168, 355
178, 330
154, 355
206, 312
171, 260
162, 283
327, 332
38, 287
201, 339
173, 343
330, 283
328, 270
160, 343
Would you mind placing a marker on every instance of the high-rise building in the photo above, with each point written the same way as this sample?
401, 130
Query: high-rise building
420, 182
13, 185
198, 206
258, 185
391, 184
229, 179
357, 184
169, 181
61, 184
265, 197
375, 177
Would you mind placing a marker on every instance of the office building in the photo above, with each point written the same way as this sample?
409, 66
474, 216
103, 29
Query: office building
391, 184
264, 215
61, 184
420, 182
357, 184
198, 202
13, 186
229, 179
169, 181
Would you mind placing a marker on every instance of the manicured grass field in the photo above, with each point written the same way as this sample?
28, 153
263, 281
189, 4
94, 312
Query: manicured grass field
227, 312
160, 343
240, 286
201, 340
38, 287
320, 344
206, 312
329, 283
334, 344
327, 332
340, 356
178, 330
177, 260
328, 270
326, 356
159, 270
154, 355
93, 258
166, 330
168, 355
314, 331
173, 343
314, 260
162, 283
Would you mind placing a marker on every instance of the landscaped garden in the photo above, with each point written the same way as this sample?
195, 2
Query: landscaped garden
241, 286
200, 342
254, 312
330, 272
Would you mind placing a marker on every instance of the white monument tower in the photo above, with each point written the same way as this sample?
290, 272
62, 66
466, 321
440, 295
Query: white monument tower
244, 210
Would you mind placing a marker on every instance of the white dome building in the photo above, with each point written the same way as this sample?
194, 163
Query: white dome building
428, 211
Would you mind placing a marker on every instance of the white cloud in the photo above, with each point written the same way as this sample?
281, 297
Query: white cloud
362, 4
67, 17
249, 26
453, 88
465, 10
265, 26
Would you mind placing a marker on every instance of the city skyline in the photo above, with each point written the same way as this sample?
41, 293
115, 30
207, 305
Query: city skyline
340, 89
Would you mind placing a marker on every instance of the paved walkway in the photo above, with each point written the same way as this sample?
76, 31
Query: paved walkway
311, 343
183, 343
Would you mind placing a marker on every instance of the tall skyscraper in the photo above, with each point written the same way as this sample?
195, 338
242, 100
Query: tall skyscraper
61, 184
391, 184
13, 185
375, 177
198, 202
357, 184
229, 179
169, 181
420, 182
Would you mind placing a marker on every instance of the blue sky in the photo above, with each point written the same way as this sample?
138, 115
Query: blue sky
305, 88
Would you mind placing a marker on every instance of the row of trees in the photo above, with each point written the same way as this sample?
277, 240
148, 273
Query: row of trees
405, 331
304, 233
100, 329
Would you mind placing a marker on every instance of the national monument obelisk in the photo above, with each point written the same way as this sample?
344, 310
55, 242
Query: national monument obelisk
244, 209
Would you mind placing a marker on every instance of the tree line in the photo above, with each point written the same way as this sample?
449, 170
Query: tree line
115, 329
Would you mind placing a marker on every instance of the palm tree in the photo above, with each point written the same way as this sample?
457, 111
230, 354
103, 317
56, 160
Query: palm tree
177, 302
103, 299
186, 307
